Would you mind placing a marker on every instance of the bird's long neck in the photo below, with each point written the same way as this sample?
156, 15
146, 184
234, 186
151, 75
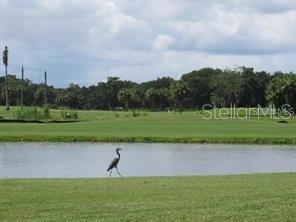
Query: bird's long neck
117, 151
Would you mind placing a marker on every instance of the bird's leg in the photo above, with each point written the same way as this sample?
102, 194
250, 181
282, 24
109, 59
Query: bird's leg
110, 173
118, 172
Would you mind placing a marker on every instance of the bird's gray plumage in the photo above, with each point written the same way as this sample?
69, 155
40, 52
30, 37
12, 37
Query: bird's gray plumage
114, 163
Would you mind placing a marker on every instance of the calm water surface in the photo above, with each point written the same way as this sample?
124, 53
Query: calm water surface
59, 160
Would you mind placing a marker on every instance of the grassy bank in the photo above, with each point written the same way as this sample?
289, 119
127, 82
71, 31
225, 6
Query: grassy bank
188, 127
261, 197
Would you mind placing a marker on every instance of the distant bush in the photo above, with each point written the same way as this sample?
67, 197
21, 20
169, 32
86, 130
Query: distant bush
178, 110
32, 113
136, 113
53, 106
127, 115
69, 114
46, 113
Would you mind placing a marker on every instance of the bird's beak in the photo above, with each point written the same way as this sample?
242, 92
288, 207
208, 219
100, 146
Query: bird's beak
120, 149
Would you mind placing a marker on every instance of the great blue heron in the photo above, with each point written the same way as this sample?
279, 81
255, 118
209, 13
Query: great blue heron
114, 163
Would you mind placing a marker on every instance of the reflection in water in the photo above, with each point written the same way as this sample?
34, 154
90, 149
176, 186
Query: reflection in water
52, 160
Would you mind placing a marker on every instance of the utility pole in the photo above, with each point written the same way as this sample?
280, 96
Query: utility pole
22, 89
5, 61
45, 86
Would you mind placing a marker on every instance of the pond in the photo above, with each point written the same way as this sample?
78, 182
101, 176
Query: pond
68, 160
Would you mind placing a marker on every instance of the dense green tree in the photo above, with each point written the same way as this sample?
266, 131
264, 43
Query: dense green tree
111, 90
282, 91
159, 83
60, 99
179, 92
243, 87
130, 98
73, 97
39, 97
252, 84
157, 99
226, 89
199, 86
14, 89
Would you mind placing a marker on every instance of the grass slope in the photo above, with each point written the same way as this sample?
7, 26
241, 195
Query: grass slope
109, 126
258, 197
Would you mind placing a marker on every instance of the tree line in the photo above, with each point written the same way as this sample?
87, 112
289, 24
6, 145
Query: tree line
242, 86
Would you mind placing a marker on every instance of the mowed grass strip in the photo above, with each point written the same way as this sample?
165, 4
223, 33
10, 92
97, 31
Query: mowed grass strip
109, 126
258, 197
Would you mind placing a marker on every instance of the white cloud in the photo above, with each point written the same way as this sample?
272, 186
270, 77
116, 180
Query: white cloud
86, 41
163, 42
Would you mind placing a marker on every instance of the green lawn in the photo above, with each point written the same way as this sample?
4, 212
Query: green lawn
259, 197
150, 127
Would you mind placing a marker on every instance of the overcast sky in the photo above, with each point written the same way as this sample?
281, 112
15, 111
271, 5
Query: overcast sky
86, 41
